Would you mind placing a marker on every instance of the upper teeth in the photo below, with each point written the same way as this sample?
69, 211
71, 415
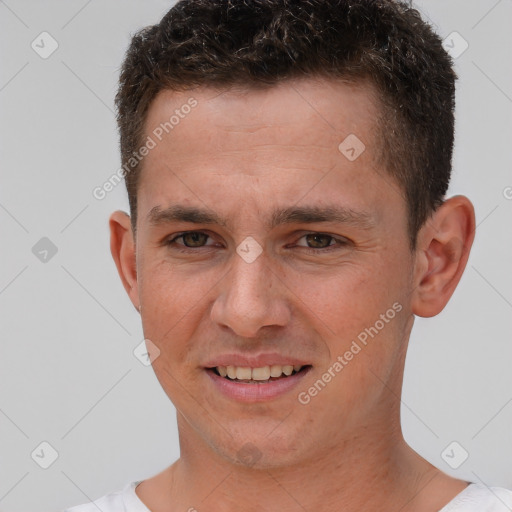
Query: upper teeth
262, 373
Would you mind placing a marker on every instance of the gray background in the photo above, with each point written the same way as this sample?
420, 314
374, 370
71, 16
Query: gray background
68, 373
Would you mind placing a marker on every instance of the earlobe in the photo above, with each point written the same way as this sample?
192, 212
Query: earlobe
122, 247
444, 244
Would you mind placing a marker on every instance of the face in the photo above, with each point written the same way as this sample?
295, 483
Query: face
262, 243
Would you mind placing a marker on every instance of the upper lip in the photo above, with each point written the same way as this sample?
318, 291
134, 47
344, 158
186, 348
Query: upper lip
254, 361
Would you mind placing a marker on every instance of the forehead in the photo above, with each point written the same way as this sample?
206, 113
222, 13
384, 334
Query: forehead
270, 143
312, 107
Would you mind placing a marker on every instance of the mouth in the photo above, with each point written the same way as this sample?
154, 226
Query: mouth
261, 375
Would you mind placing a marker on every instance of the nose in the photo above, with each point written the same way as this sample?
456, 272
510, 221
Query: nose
251, 298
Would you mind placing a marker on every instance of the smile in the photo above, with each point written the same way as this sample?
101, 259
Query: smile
258, 384
257, 375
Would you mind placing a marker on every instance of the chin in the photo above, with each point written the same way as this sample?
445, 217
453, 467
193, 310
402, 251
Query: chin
262, 452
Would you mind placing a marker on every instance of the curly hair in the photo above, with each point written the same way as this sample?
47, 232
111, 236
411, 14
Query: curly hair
260, 43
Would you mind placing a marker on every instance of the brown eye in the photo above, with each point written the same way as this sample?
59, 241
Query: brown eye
321, 243
193, 239
318, 241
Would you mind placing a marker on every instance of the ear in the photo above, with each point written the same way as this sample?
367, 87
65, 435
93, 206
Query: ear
443, 246
122, 247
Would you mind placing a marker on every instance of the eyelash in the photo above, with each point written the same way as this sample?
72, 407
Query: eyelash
329, 248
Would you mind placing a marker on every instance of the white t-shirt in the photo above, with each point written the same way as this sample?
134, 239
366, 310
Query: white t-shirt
474, 498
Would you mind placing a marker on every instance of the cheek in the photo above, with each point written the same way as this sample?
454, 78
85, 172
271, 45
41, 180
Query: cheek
345, 301
361, 315
170, 308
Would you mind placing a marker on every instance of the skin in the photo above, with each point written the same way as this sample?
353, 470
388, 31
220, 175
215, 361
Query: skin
241, 155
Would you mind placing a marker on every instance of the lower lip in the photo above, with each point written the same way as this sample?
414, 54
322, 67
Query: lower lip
246, 392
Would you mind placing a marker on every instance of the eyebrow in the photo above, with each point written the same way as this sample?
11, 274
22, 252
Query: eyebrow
293, 214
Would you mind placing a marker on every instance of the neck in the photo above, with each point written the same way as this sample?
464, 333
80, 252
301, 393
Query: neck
373, 469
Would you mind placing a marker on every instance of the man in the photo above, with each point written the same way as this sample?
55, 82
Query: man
286, 165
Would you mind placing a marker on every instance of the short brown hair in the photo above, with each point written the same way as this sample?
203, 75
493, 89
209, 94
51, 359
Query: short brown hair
259, 43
